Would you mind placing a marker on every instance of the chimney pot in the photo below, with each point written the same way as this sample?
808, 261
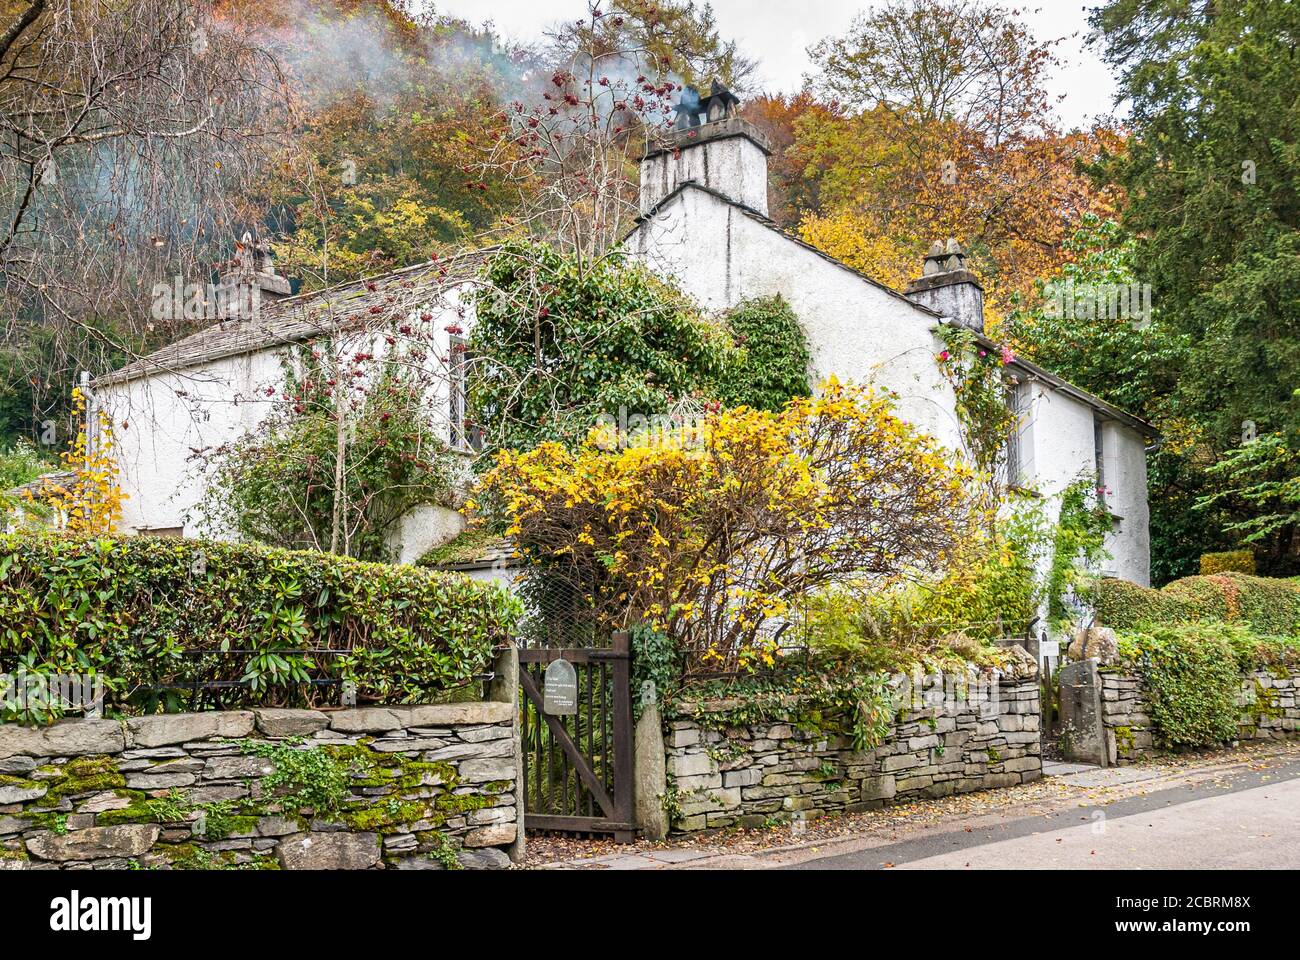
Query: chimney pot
251, 279
947, 287
727, 154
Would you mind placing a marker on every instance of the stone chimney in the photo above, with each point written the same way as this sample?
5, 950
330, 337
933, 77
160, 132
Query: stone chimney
250, 281
712, 146
948, 288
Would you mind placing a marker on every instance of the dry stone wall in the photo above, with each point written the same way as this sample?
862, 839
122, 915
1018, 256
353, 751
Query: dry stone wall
403, 787
1269, 711
752, 775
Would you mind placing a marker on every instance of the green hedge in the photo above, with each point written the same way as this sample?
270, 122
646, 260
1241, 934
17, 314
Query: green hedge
1192, 678
152, 616
1268, 606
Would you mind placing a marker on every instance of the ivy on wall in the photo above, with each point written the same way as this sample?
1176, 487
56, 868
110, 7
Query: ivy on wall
560, 342
980, 386
1192, 681
1078, 545
773, 357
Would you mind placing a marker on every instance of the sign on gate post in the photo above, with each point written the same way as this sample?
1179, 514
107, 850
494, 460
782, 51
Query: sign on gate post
560, 689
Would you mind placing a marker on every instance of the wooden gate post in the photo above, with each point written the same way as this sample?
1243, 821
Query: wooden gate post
623, 757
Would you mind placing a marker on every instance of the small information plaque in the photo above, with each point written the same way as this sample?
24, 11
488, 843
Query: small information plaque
560, 689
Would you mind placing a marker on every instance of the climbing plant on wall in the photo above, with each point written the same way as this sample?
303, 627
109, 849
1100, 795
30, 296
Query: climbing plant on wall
980, 383
1078, 544
773, 361
561, 341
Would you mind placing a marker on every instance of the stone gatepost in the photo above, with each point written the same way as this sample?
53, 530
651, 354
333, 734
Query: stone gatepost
505, 689
1083, 735
650, 768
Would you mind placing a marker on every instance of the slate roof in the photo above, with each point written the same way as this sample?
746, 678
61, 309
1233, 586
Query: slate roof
58, 478
498, 553
303, 318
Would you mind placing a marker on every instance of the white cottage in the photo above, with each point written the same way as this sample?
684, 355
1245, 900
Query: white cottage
704, 225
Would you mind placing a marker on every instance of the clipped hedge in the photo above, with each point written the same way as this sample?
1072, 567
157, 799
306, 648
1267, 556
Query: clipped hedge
1268, 606
1191, 676
1238, 561
154, 616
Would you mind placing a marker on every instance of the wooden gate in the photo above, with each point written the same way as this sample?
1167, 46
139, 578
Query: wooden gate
578, 768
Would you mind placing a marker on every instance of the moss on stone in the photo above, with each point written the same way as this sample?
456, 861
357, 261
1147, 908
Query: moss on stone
90, 774
1264, 705
465, 547
142, 811
426, 773
23, 783
1124, 740
460, 803
383, 816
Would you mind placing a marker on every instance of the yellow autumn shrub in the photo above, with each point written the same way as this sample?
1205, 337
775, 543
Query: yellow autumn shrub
712, 532
90, 502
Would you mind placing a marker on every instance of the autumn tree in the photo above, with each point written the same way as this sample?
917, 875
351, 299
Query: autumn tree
676, 38
945, 130
396, 110
794, 179
127, 129
966, 61
1211, 173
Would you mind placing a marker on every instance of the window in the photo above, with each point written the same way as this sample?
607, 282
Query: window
1019, 452
1099, 456
161, 532
463, 436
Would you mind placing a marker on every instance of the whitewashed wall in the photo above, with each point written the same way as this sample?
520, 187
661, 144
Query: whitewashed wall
733, 166
1061, 447
160, 421
856, 330
1125, 475
861, 332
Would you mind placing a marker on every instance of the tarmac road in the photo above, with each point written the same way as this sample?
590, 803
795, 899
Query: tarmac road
1250, 822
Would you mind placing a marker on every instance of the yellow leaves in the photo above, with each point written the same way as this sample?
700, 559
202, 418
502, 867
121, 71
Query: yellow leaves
92, 503
859, 241
713, 539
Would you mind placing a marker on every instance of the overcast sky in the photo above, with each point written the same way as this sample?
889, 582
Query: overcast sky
778, 32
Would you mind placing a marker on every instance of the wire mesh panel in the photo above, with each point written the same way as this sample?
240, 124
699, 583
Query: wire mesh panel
578, 766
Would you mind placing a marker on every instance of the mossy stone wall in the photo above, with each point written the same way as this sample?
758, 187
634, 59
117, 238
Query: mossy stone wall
402, 787
1268, 701
765, 773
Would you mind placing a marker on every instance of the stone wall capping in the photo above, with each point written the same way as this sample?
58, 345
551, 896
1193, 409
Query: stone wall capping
165, 729
281, 722
384, 719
